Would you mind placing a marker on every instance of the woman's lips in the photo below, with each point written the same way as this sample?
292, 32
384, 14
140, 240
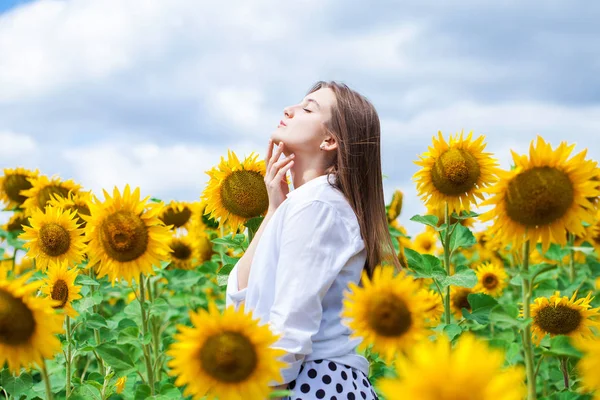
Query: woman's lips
281, 123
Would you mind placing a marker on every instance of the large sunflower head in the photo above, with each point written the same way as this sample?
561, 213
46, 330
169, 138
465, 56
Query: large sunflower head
79, 202
236, 192
178, 214
12, 183
53, 235
395, 207
60, 287
184, 253
227, 355
543, 197
589, 365
491, 279
28, 324
469, 371
459, 299
563, 316
125, 235
388, 311
455, 172
44, 189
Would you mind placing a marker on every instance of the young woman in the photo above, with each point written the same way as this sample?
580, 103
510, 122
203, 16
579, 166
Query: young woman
317, 239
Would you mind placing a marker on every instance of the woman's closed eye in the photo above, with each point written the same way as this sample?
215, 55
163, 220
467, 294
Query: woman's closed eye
307, 110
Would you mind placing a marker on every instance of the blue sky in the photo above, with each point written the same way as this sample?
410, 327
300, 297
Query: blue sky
153, 93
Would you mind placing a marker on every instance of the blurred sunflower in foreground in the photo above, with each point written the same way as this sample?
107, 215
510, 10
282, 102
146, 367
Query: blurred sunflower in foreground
236, 191
469, 371
545, 196
227, 355
28, 324
589, 365
454, 172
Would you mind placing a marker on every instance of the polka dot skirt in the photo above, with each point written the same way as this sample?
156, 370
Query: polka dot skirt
323, 379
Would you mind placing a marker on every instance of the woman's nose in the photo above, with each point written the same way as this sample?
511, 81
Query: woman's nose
288, 112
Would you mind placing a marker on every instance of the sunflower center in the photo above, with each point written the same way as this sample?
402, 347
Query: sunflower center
13, 184
45, 195
461, 300
243, 193
177, 218
455, 172
229, 357
16, 320
490, 281
389, 316
427, 245
124, 236
181, 251
54, 239
559, 320
539, 196
60, 291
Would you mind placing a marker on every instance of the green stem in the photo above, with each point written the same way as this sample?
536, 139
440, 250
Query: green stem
49, 395
447, 265
526, 333
152, 290
572, 273
147, 355
69, 336
564, 367
96, 331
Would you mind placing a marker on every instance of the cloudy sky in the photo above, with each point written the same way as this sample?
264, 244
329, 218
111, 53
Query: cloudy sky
154, 92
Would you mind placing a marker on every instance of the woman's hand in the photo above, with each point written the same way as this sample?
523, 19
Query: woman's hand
275, 179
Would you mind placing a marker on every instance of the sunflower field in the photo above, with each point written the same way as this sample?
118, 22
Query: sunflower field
115, 296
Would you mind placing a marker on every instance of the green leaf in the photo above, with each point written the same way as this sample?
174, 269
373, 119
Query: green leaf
505, 315
462, 237
85, 280
159, 308
464, 215
463, 277
142, 392
560, 346
481, 306
170, 391
116, 357
16, 386
131, 334
95, 321
452, 331
430, 220
424, 265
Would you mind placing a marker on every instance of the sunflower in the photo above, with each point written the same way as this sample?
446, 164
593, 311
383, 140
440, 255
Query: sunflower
236, 192
545, 196
455, 172
79, 202
178, 214
491, 279
387, 312
60, 287
469, 371
120, 384
16, 222
28, 324
53, 235
589, 365
125, 236
227, 355
435, 310
395, 207
43, 189
563, 316
184, 253
459, 299
425, 242
12, 183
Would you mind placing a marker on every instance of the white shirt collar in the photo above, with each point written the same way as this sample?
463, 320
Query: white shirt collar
321, 179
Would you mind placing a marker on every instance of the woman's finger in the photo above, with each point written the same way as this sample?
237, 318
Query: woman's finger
277, 166
270, 173
281, 174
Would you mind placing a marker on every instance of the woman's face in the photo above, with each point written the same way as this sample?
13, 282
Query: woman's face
302, 128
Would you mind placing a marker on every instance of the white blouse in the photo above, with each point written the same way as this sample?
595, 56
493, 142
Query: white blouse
309, 252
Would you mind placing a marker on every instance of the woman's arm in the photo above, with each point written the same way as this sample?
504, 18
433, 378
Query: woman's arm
243, 264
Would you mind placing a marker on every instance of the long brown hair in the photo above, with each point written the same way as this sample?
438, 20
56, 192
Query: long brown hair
355, 125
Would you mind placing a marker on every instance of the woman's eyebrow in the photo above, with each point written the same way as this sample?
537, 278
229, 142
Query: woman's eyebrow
314, 101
